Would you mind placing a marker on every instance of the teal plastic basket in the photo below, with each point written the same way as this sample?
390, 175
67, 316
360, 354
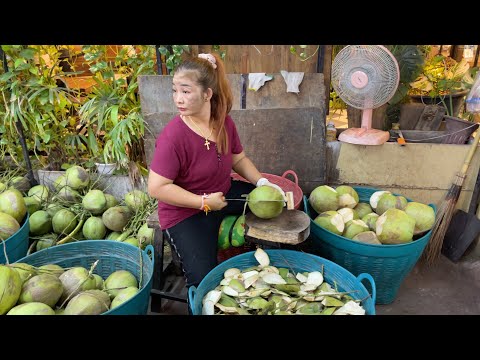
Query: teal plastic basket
16, 246
112, 256
300, 261
388, 264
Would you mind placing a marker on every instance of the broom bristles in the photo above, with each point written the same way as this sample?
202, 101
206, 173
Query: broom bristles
442, 221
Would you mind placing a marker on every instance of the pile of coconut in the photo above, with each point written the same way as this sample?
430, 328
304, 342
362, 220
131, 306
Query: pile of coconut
385, 219
53, 290
73, 208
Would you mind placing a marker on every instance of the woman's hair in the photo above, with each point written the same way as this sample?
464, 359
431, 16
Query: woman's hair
221, 102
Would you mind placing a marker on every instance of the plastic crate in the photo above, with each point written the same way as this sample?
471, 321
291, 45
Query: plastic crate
298, 261
388, 264
16, 246
113, 256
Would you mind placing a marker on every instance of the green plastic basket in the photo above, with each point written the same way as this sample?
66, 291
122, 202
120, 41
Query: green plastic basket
112, 256
16, 246
298, 261
388, 264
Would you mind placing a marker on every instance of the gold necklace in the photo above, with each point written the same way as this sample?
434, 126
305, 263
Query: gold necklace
207, 143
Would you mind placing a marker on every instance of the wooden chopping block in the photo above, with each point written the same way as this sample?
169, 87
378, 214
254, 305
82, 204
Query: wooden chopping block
290, 227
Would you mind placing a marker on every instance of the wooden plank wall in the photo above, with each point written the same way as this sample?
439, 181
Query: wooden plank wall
243, 59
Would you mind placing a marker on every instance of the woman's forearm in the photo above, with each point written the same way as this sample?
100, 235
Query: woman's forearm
175, 195
244, 167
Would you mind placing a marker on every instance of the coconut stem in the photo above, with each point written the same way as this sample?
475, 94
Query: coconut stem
80, 284
72, 234
5, 251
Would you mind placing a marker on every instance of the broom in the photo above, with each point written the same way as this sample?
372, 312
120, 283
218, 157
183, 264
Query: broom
447, 207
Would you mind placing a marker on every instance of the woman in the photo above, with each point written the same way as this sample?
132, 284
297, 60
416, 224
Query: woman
192, 163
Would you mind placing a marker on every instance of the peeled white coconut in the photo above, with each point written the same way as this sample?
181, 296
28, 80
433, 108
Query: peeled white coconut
347, 196
424, 216
376, 196
354, 227
395, 226
363, 209
324, 198
347, 214
331, 221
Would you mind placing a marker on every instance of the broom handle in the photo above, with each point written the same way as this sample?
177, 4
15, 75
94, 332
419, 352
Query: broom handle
469, 157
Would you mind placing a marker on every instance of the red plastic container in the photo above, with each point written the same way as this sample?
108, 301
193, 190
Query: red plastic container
284, 183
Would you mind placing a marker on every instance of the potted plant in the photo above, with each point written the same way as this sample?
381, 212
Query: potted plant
443, 81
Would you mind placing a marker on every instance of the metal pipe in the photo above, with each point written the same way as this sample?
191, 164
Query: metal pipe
159, 60
19, 127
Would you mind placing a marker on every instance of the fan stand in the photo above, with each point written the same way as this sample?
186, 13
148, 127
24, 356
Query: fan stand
365, 135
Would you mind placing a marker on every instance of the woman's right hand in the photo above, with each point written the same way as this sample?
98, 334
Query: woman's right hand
216, 201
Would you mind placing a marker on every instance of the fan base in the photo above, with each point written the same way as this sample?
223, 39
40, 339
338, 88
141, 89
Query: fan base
362, 136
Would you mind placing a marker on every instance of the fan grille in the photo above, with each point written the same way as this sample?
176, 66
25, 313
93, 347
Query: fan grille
380, 71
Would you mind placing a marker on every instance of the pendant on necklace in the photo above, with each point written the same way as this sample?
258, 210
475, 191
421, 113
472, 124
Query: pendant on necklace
207, 144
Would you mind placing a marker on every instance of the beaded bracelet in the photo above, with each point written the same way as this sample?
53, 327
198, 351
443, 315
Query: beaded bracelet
204, 206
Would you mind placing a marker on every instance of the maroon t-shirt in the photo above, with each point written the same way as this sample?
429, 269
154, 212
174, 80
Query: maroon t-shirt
180, 155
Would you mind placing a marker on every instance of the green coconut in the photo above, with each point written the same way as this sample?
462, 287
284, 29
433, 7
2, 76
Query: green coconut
114, 235
111, 201
331, 221
99, 283
389, 201
94, 228
117, 280
261, 204
32, 308
86, 304
52, 269
12, 203
2, 186
401, 202
46, 241
371, 220
64, 221
60, 182
395, 226
116, 217
376, 196
77, 177
40, 223
76, 280
354, 227
8, 226
363, 209
10, 288
100, 295
53, 208
347, 196
132, 241
424, 216
95, 202
123, 296
145, 235
39, 192
136, 199
32, 204
21, 183
348, 214
44, 288
367, 237
324, 198
68, 194
24, 270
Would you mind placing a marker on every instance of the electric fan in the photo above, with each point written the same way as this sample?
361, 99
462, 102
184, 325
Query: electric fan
365, 77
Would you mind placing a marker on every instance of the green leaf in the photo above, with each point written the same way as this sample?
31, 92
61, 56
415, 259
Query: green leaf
18, 62
27, 53
114, 115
